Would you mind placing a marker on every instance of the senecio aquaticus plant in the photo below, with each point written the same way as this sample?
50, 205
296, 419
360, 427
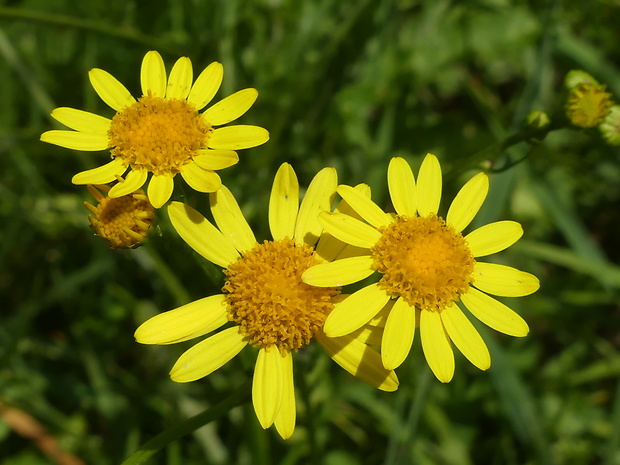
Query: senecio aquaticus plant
281, 294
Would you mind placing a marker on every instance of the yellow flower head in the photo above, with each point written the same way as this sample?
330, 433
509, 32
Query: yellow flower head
163, 132
426, 266
123, 221
264, 297
610, 127
588, 105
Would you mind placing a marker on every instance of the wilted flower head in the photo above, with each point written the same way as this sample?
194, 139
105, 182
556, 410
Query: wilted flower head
123, 221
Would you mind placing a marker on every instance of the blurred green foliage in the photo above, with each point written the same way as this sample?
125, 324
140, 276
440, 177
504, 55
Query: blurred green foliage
347, 84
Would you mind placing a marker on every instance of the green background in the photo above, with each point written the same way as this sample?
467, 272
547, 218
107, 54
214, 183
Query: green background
347, 84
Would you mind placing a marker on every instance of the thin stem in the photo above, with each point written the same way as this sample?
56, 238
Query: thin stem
148, 449
84, 24
492, 152
400, 442
171, 281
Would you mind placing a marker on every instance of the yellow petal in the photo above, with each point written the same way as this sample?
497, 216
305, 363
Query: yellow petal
89, 142
355, 311
318, 197
216, 159
199, 179
468, 201
267, 385
230, 108
493, 237
238, 137
504, 280
328, 247
368, 334
436, 346
285, 419
153, 75
180, 80
201, 235
132, 182
206, 86
160, 189
398, 334
429, 186
401, 184
204, 315
360, 360
350, 251
494, 313
380, 318
82, 121
349, 230
284, 203
365, 207
112, 92
101, 175
230, 220
465, 337
339, 272
208, 355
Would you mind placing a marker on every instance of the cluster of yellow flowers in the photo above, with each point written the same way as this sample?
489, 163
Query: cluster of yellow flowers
280, 294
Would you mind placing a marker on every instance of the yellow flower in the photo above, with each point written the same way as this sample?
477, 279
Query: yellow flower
163, 132
123, 221
588, 105
610, 127
426, 266
265, 298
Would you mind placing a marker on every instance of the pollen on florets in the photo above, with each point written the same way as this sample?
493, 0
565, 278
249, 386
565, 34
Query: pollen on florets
158, 134
269, 301
123, 221
424, 261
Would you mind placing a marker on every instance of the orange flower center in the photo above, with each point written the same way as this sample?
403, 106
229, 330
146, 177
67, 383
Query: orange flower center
157, 134
424, 261
268, 299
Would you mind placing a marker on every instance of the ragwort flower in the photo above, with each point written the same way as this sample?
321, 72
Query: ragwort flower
588, 105
123, 221
265, 298
162, 132
426, 266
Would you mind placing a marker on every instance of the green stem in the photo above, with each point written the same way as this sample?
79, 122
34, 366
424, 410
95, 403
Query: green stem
400, 442
84, 24
148, 449
171, 281
492, 152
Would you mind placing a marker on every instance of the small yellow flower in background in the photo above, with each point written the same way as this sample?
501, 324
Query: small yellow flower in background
610, 127
162, 132
426, 266
123, 221
265, 298
588, 104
